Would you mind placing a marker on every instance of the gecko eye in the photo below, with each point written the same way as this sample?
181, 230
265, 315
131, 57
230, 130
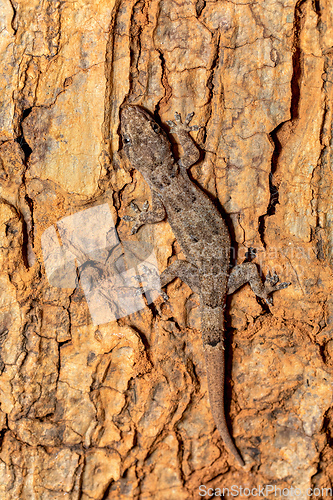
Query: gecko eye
155, 127
126, 139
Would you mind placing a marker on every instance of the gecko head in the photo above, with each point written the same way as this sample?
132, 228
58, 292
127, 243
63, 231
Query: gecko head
145, 144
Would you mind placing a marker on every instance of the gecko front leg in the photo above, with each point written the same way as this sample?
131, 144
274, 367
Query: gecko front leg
145, 216
191, 153
183, 270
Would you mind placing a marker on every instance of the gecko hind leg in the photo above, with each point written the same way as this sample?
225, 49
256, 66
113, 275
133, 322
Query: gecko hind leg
248, 273
178, 269
183, 270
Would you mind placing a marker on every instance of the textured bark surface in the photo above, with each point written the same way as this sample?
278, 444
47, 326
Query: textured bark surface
120, 410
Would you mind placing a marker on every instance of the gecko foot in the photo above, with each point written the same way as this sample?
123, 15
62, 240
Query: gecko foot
149, 280
164, 296
272, 284
140, 218
178, 125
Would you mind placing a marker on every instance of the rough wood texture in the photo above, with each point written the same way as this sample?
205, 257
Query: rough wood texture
120, 410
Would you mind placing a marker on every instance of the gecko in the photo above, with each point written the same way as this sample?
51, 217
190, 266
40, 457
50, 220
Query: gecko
202, 234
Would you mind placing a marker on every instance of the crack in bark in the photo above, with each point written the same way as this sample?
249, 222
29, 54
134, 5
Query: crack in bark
297, 61
27, 226
13, 21
21, 139
165, 83
109, 72
199, 7
318, 180
138, 10
210, 81
274, 191
295, 84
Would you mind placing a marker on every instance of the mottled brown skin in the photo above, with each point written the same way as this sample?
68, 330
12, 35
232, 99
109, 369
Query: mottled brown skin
201, 233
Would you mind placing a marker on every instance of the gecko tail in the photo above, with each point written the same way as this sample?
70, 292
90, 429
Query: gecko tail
214, 356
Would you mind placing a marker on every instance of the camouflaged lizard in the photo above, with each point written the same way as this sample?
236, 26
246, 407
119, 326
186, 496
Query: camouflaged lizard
201, 233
